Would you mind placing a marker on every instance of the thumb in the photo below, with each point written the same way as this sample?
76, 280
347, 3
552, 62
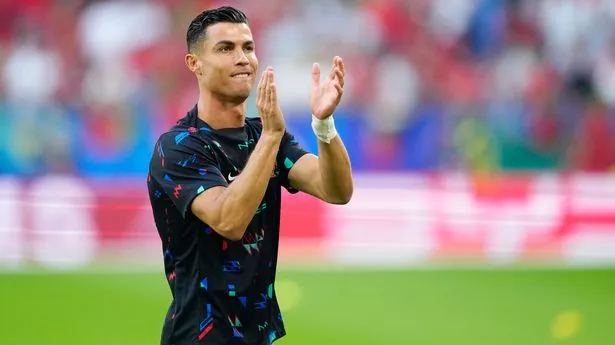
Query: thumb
315, 75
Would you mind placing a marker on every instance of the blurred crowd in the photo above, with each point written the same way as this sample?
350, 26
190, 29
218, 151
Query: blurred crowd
479, 86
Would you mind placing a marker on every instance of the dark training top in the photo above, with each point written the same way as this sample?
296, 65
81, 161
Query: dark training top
223, 291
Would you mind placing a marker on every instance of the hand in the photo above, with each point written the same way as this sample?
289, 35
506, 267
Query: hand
325, 97
267, 105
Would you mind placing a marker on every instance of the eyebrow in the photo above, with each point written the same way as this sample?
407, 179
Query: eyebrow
231, 43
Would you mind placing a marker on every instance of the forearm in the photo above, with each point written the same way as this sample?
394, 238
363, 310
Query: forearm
335, 171
237, 204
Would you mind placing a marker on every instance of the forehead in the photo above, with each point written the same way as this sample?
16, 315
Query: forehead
234, 32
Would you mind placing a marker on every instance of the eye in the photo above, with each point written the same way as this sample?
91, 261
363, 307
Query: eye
249, 48
226, 49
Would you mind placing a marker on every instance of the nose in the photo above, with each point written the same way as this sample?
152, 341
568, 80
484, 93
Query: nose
242, 59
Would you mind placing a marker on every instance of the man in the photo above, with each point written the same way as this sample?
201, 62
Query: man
215, 187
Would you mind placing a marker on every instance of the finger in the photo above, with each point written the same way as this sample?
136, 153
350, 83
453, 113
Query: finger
268, 88
332, 72
340, 91
340, 65
340, 76
273, 97
315, 75
260, 90
264, 97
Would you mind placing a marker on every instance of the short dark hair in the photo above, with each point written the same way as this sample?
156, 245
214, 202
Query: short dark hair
198, 27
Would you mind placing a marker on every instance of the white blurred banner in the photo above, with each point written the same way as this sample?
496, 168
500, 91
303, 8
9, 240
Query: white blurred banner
393, 220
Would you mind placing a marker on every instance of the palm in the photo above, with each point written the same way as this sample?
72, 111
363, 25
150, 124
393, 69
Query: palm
325, 96
324, 99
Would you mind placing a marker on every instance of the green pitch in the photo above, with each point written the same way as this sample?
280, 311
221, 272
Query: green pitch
422, 307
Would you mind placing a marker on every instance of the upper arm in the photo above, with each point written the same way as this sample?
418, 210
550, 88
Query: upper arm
203, 206
299, 169
305, 176
289, 155
185, 169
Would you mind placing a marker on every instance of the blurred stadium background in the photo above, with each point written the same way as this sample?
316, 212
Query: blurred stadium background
481, 134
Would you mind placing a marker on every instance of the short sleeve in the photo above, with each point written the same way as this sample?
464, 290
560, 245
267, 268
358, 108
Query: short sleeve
289, 154
185, 167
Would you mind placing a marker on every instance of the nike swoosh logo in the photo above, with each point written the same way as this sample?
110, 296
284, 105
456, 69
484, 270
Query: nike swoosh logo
231, 178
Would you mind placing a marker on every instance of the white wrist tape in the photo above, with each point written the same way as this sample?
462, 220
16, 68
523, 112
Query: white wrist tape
324, 129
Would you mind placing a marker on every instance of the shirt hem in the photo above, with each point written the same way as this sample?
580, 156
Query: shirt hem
281, 335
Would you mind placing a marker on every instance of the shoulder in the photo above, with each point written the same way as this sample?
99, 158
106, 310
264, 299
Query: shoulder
182, 145
185, 132
185, 136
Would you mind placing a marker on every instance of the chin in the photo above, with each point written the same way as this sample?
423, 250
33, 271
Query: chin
239, 97
244, 92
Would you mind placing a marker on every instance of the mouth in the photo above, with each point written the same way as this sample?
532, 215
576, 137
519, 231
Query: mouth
242, 75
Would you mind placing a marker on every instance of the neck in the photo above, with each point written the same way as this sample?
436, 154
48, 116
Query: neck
219, 114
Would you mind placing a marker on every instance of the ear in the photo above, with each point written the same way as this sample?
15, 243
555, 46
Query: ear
193, 64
